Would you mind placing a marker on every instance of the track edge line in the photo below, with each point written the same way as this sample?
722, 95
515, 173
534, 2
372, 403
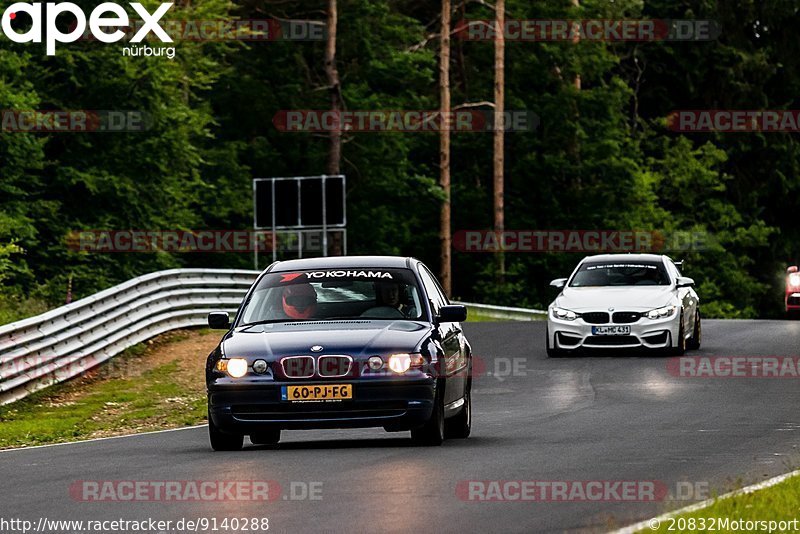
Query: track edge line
78, 442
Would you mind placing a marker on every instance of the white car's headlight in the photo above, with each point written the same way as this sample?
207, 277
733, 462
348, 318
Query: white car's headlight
564, 315
660, 313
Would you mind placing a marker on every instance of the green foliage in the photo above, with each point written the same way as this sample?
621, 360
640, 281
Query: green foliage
601, 158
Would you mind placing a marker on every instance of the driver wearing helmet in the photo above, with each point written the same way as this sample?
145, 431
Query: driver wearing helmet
299, 301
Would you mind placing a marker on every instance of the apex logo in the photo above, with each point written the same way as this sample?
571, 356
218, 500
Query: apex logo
104, 16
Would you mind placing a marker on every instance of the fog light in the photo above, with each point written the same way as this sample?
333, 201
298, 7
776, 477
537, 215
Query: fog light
260, 366
400, 363
237, 367
375, 363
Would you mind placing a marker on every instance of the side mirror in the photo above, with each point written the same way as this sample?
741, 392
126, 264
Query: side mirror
454, 313
684, 281
792, 269
559, 283
219, 320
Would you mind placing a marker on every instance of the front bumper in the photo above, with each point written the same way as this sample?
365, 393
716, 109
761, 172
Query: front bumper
393, 404
793, 301
644, 333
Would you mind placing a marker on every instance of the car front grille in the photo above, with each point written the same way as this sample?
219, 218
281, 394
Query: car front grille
595, 317
328, 366
611, 340
793, 301
334, 366
304, 411
298, 366
626, 317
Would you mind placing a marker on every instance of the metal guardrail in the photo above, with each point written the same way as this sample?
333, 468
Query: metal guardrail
504, 312
67, 341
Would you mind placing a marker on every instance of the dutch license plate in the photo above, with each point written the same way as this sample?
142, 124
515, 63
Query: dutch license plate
611, 330
317, 393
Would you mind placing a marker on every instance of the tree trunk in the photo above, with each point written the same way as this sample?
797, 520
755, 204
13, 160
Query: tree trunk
577, 80
499, 132
444, 149
335, 152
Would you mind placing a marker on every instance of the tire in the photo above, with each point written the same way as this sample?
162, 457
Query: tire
694, 342
266, 437
680, 350
459, 426
431, 434
220, 441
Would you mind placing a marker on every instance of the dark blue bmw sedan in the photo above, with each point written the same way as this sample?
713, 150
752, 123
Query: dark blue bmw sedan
343, 342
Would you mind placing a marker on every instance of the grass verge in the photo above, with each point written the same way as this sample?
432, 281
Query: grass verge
780, 502
152, 386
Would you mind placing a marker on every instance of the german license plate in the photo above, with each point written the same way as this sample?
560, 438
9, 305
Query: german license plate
317, 393
611, 330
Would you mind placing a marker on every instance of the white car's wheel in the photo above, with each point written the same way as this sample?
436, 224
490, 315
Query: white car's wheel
694, 342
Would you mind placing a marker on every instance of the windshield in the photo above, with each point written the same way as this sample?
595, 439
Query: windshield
334, 294
620, 274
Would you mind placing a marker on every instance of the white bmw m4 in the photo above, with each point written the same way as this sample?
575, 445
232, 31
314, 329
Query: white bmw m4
618, 301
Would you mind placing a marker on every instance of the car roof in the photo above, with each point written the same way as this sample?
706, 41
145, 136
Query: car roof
625, 257
343, 262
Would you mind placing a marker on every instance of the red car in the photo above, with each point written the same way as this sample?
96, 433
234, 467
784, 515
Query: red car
792, 290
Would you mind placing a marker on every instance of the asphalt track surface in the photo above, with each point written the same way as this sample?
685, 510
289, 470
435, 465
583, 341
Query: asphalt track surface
604, 417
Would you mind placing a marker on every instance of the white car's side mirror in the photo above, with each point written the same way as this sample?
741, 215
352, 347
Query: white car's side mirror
684, 281
559, 283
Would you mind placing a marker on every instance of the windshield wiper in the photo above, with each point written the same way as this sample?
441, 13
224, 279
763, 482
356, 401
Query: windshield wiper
267, 321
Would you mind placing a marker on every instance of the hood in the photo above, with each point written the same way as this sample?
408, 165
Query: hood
355, 338
632, 298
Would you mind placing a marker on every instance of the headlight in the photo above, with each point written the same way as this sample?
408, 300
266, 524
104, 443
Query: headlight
375, 363
260, 366
400, 363
566, 315
660, 313
236, 367
794, 279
